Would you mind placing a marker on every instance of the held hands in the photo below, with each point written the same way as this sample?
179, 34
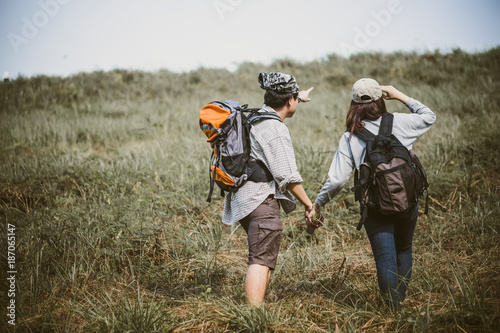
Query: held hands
307, 211
304, 95
315, 218
389, 92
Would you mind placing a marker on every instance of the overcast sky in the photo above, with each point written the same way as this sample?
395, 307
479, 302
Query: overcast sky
62, 37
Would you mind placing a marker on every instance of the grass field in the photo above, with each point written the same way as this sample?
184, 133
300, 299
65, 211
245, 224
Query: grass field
104, 177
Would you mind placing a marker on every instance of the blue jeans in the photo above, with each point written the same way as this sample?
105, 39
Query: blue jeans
391, 240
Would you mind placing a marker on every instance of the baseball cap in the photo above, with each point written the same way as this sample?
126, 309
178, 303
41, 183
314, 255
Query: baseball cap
279, 82
366, 91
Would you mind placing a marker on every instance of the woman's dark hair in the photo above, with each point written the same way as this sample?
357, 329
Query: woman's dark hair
277, 100
361, 111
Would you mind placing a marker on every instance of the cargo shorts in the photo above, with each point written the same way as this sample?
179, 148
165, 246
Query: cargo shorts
264, 227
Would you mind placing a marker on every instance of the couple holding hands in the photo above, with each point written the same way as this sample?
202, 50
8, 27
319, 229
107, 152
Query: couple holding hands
256, 205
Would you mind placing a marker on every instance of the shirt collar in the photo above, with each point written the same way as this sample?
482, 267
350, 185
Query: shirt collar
268, 109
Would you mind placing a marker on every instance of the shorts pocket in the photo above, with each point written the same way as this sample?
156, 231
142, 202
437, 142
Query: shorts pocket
274, 225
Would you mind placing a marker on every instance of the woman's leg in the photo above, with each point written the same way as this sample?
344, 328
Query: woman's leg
381, 236
391, 241
403, 237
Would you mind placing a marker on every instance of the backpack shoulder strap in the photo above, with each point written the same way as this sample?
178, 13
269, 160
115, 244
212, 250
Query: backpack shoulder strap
251, 110
385, 128
386, 124
257, 116
365, 135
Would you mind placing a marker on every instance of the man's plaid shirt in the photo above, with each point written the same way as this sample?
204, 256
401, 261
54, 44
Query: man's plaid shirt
270, 143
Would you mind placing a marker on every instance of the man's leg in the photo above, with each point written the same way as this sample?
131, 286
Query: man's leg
256, 282
263, 227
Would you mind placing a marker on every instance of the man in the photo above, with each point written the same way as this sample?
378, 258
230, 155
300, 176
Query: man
257, 204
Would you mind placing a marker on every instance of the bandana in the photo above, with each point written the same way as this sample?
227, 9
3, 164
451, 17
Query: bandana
279, 82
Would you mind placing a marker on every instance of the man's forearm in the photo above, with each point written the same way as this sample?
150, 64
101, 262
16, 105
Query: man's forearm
298, 192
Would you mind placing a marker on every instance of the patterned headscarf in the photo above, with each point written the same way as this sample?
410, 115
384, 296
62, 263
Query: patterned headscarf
279, 82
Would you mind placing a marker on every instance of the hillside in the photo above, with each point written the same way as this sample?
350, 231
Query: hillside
104, 176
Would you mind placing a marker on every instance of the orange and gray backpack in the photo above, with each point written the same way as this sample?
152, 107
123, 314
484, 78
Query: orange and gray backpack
228, 131
391, 178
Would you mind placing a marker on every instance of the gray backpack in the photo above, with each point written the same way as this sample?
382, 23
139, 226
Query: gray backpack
228, 131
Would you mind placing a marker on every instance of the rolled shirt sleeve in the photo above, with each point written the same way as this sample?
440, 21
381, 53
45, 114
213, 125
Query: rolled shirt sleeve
279, 157
272, 144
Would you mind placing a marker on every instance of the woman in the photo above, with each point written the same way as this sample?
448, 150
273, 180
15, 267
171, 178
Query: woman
390, 236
